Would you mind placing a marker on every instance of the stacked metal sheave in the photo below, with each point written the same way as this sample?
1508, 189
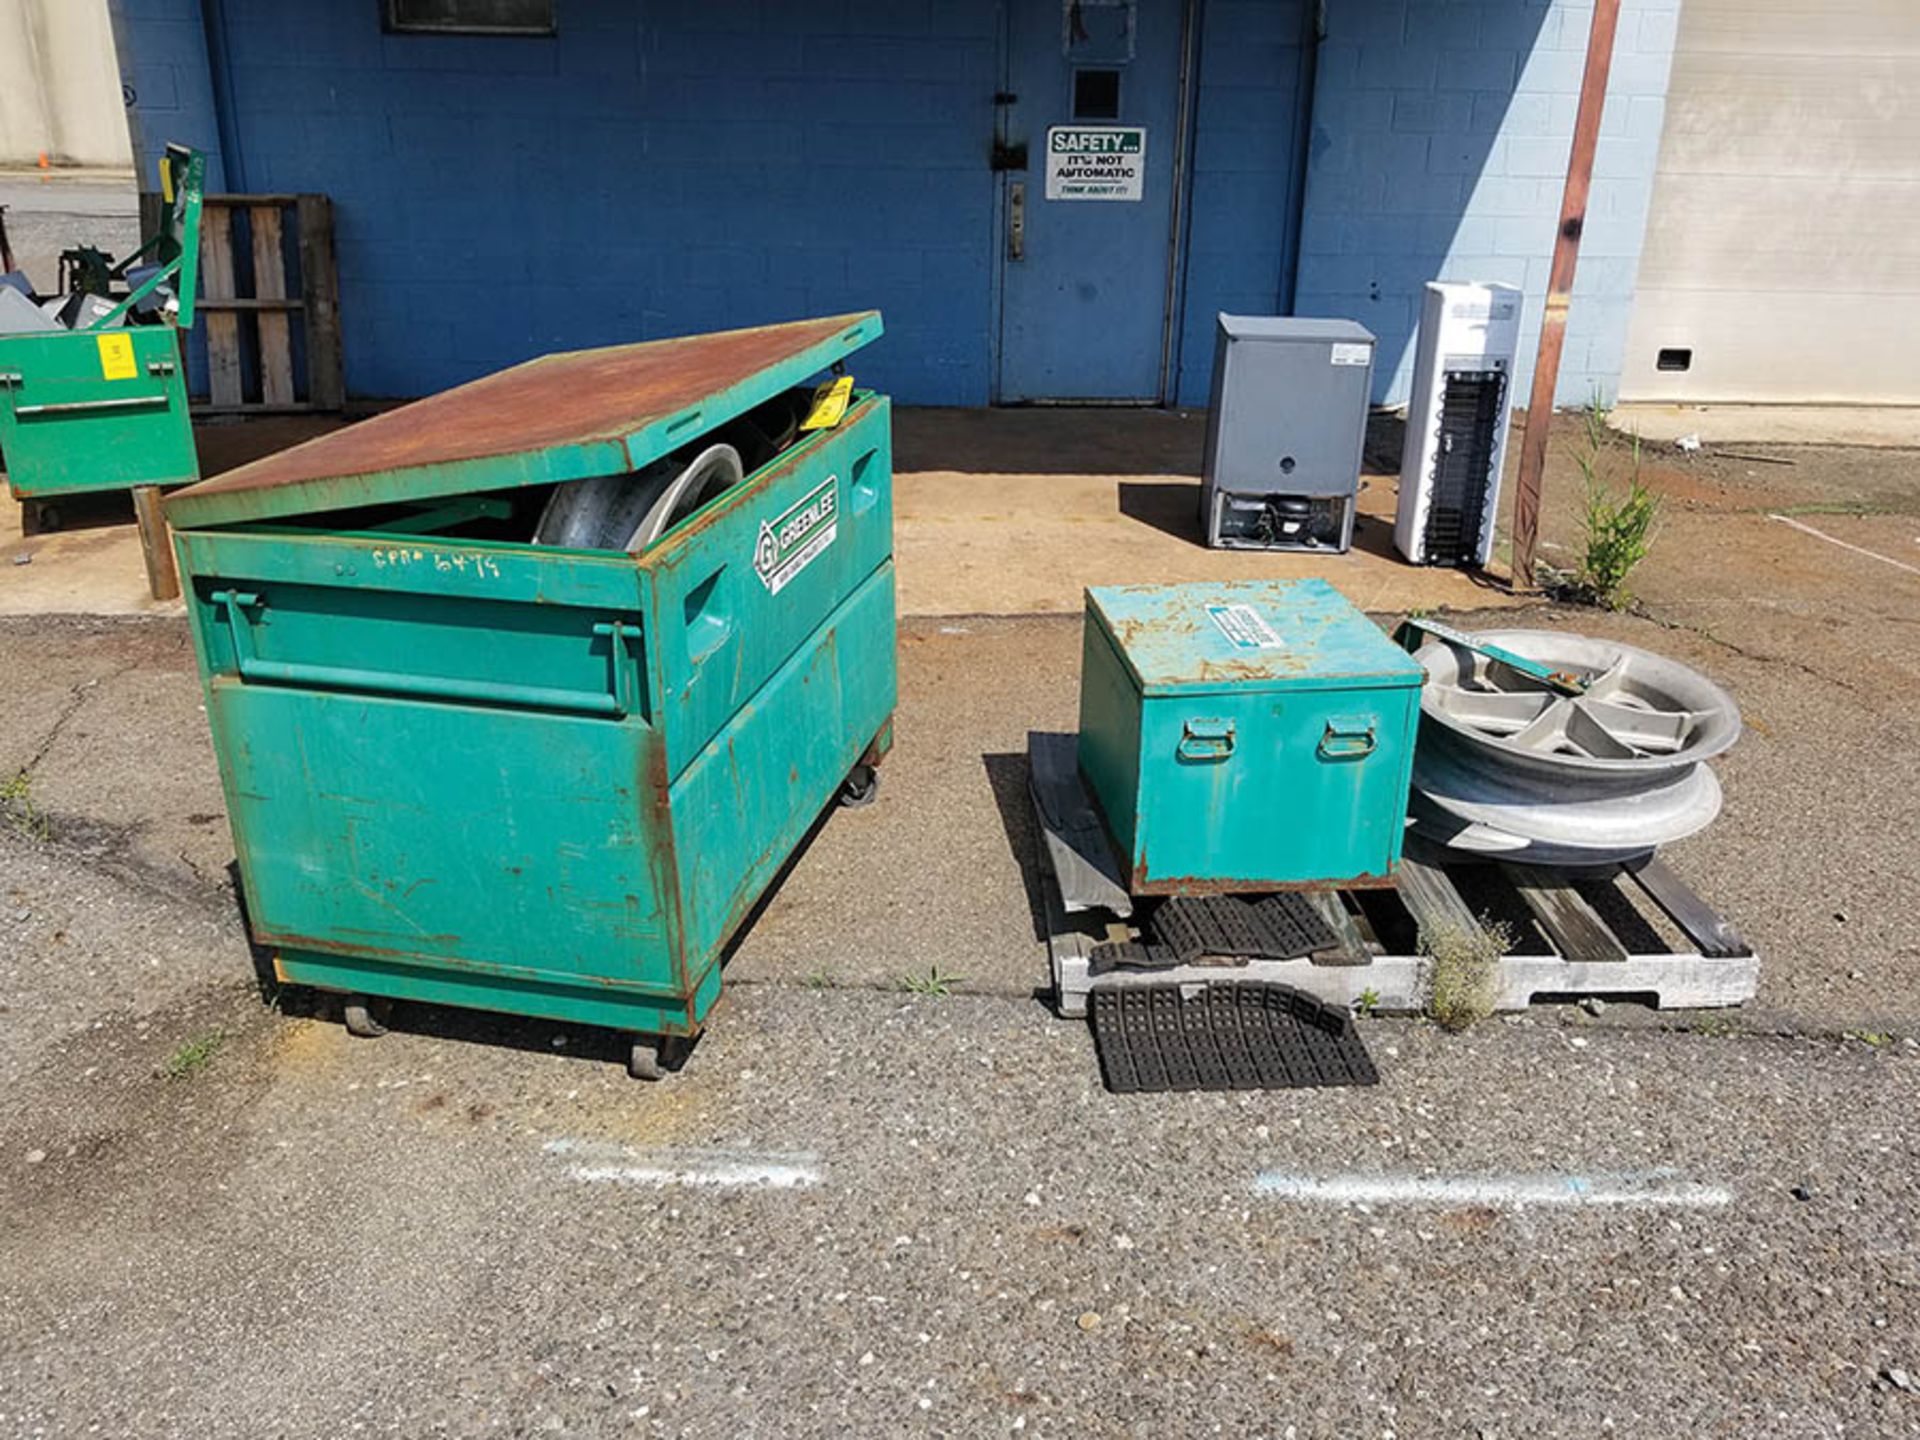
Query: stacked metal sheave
1508, 767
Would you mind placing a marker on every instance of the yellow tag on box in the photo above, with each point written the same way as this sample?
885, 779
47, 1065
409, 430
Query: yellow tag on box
116, 358
829, 404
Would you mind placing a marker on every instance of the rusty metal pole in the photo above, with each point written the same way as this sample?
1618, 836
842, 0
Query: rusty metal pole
1566, 253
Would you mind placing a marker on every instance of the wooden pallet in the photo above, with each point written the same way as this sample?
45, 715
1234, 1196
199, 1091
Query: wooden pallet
1575, 933
269, 298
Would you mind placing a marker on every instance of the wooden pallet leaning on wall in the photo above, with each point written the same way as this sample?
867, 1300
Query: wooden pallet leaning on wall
269, 305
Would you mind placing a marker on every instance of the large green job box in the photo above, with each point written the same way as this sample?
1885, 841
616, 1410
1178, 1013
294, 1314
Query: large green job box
466, 768
1249, 735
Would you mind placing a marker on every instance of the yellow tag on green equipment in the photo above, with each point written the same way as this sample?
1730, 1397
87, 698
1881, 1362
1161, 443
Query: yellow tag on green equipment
116, 358
829, 404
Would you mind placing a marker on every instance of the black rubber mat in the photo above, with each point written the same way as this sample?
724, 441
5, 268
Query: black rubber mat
1290, 925
1227, 1035
1130, 955
1276, 927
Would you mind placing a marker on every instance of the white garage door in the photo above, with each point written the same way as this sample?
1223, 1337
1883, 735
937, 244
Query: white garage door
1782, 258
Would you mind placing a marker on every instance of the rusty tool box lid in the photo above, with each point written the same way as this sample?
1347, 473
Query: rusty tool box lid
562, 417
1219, 635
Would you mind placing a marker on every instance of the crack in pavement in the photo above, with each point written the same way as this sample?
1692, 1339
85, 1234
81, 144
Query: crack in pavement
1643, 611
76, 697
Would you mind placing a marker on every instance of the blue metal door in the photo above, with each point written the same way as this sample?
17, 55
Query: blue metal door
1092, 97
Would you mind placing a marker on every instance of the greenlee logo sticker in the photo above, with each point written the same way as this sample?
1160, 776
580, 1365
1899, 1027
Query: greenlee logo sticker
794, 539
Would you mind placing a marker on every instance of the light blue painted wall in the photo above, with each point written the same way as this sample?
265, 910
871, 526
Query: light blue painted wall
1439, 150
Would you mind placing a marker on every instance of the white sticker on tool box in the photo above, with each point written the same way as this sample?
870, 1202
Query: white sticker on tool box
796, 537
1245, 627
1352, 352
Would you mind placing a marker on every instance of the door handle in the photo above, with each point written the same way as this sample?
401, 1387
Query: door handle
1017, 220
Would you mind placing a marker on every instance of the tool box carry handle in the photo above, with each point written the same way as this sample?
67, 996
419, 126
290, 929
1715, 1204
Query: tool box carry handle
1205, 739
1349, 737
614, 700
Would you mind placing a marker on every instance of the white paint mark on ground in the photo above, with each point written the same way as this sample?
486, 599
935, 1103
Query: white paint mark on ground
594, 1162
1650, 1187
1844, 545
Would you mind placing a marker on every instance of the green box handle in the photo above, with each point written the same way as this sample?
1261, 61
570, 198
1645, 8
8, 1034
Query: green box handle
612, 701
1349, 737
1205, 739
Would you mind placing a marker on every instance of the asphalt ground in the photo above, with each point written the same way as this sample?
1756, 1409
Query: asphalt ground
219, 1215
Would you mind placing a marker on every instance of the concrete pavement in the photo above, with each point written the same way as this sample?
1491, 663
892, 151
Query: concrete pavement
53, 210
224, 1217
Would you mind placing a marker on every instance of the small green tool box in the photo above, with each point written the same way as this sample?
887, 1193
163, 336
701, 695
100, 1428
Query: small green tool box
1245, 735
470, 766
105, 407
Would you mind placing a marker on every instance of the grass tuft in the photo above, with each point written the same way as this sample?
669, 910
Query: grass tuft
934, 982
17, 810
194, 1056
1463, 966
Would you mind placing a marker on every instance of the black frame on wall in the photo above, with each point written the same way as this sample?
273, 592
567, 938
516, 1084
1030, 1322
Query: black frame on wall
468, 17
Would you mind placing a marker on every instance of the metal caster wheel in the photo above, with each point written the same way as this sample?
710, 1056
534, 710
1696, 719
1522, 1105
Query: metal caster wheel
357, 1014
39, 519
860, 787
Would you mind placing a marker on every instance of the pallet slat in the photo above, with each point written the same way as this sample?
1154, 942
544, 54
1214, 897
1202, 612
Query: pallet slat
1574, 926
1701, 922
1080, 856
1352, 949
223, 327
326, 379
253, 303
1432, 900
270, 283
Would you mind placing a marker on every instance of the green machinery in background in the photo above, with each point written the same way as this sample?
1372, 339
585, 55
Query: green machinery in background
467, 768
103, 406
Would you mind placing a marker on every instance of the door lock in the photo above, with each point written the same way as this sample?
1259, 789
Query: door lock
1017, 220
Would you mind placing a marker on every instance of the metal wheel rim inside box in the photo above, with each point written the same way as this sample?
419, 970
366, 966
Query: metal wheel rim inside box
554, 782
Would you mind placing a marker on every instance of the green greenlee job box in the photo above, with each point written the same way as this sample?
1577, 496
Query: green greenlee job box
1245, 736
468, 769
105, 408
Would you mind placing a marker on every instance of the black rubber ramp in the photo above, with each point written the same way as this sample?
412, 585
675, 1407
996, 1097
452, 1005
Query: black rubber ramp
1281, 926
1225, 1035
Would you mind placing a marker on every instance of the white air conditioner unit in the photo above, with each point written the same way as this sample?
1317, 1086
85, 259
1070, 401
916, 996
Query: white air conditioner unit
1457, 421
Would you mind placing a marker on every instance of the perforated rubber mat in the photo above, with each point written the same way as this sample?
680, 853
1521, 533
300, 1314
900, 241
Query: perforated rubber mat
1226, 1035
1282, 926
1130, 955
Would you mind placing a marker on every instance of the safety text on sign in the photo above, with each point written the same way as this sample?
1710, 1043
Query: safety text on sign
1100, 162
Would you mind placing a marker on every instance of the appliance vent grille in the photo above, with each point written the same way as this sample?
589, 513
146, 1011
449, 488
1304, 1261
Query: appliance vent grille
1469, 413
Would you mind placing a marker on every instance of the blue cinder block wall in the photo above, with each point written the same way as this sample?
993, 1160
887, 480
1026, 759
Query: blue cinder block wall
685, 165
651, 170
1245, 172
1439, 152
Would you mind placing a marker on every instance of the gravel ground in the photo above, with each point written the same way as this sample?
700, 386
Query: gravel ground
318, 1236
224, 1217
